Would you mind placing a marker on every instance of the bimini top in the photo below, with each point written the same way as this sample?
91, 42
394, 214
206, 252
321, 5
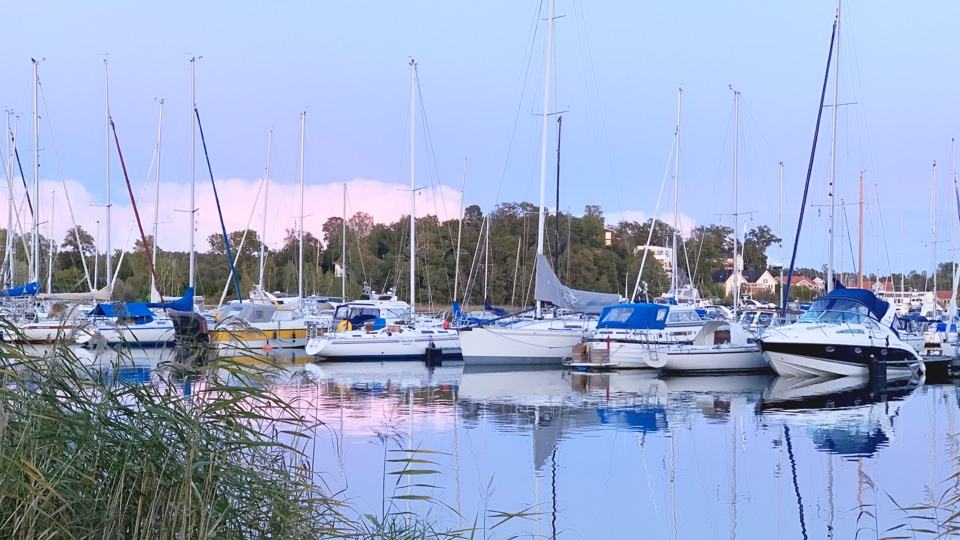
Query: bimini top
640, 316
851, 300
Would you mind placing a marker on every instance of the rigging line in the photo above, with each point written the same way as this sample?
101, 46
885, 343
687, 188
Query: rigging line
653, 222
23, 178
603, 120
356, 236
806, 186
136, 212
243, 239
716, 184
475, 265
18, 209
846, 224
66, 192
216, 198
523, 85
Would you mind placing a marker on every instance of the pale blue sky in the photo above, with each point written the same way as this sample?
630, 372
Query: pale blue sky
618, 66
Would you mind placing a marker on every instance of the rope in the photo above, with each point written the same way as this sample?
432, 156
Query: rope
216, 197
136, 212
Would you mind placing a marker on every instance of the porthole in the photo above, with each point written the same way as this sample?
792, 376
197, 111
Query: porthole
830, 348
858, 350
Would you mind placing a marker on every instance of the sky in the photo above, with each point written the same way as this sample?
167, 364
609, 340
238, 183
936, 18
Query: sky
617, 67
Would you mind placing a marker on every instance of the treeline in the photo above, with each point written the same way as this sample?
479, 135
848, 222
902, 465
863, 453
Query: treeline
497, 266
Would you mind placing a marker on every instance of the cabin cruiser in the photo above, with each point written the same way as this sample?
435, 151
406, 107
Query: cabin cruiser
847, 332
718, 346
635, 335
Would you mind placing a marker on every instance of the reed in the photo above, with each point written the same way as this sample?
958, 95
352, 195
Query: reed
203, 453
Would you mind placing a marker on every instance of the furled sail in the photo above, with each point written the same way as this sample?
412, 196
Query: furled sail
102, 295
549, 289
24, 290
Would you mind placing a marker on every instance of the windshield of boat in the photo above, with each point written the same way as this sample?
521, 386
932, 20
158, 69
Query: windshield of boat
682, 316
836, 311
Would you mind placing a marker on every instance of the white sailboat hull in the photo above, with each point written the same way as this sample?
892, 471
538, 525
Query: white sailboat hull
534, 344
380, 345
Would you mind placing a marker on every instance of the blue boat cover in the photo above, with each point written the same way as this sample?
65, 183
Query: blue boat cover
135, 310
641, 316
24, 290
185, 303
877, 307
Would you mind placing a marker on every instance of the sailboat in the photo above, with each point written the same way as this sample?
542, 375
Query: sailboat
376, 339
847, 332
540, 340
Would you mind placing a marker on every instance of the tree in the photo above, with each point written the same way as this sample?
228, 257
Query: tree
361, 224
87, 244
755, 247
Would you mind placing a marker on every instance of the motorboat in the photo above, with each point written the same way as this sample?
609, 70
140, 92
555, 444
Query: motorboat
847, 332
636, 336
718, 346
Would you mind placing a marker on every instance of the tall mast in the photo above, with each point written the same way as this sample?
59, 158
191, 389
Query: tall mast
556, 232
9, 259
782, 299
106, 126
343, 248
833, 155
266, 208
736, 141
860, 237
303, 124
53, 199
36, 177
674, 279
543, 144
952, 307
413, 195
486, 264
156, 206
933, 225
456, 272
193, 169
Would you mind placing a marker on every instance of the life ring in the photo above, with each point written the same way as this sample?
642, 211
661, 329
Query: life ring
344, 326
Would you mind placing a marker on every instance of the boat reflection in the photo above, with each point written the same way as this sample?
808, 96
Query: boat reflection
848, 416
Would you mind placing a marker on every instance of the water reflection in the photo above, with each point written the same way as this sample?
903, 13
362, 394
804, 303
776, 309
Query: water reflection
849, 416
592, 455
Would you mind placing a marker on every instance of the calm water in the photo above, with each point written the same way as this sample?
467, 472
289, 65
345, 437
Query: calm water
627, 455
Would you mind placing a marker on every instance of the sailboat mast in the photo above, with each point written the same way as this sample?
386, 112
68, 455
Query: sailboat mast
343, 248
556, 235
933, 226
783, 300
106, 139
860, 237
833, 155
266, 209
456, 272
53, 199
674, 259
303, 124
193, 171
543, 144
36, 176
736, 141
413, 194
9, 259
156, 206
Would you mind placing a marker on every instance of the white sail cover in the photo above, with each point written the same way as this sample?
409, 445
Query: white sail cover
549, 289
102, 295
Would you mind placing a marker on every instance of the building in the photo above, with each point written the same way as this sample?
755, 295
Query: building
750, 281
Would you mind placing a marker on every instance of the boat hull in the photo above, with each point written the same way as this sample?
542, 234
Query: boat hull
379, 346
492, 346
815, 360
716, 359
259, 336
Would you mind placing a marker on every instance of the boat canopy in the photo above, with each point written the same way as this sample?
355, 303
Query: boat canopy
853, 300
642, 316
549, 289
29, 289
184, 303
138, 311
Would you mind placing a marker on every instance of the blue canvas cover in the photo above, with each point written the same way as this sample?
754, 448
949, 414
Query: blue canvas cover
877, 307
640, 316
134, 310
184, 303
24, 290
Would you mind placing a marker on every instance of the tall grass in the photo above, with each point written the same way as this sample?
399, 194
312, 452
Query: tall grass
85, 455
